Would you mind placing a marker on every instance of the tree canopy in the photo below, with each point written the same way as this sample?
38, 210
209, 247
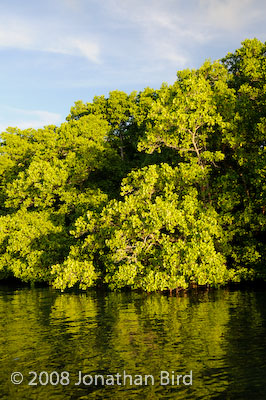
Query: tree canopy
156, 190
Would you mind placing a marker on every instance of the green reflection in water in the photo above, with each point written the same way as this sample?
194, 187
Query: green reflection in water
219, 335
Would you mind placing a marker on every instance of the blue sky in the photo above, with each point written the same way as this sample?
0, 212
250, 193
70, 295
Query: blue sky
56, 52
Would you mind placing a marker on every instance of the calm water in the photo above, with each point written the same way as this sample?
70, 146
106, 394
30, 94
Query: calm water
220, 336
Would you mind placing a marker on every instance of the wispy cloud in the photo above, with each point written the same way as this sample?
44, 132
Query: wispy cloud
23, 119
19, 34
164, 28
110, 44
88, 49
170, 29
152, 24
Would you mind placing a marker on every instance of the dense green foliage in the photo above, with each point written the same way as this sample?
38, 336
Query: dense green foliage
156, 190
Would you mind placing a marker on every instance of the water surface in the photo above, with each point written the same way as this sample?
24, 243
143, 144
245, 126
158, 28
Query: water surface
220, 336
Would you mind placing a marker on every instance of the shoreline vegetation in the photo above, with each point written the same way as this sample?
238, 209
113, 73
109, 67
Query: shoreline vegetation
161, 190
12, 283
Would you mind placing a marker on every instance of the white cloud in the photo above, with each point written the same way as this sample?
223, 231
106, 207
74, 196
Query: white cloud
74, 47
164, 27
173, 34
157, 31
35, 37
90, 50
23, 119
